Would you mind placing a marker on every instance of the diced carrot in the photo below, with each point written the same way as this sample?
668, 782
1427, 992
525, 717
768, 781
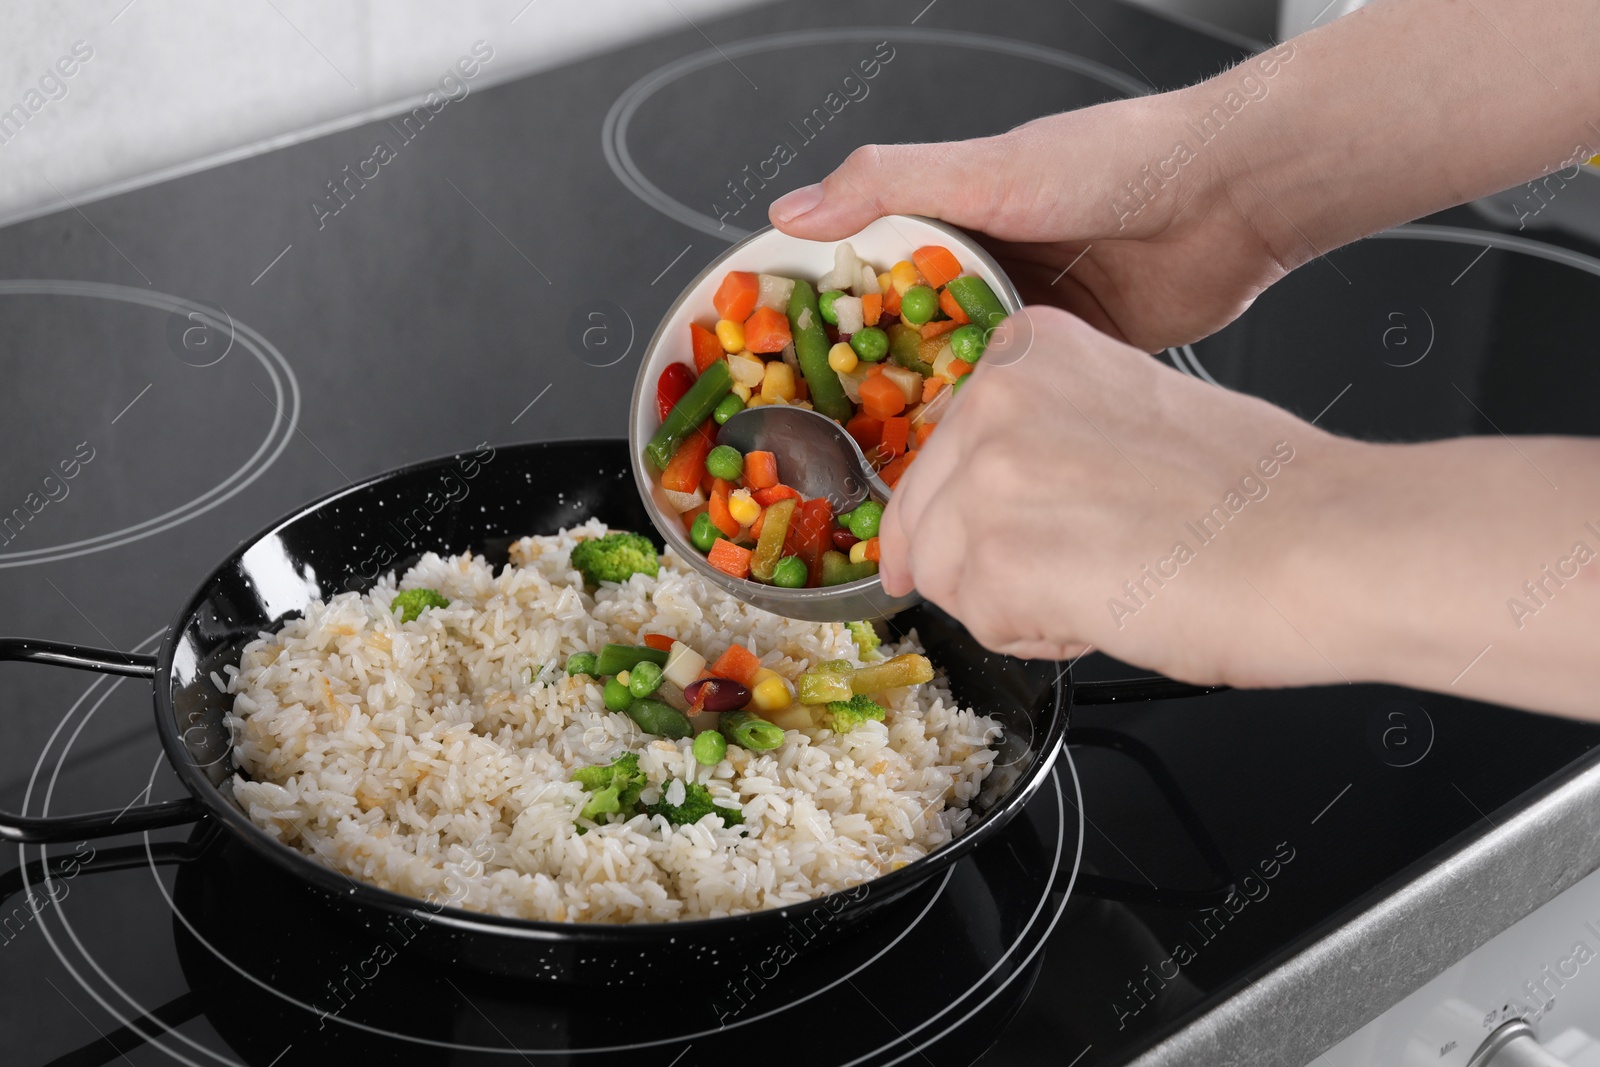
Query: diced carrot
736, 296
706, 482
881, 397
760, 470
810, 535
930, 330
801, 392
729, 558
892, 474
717, 508
867, 431
930, 388
768, 497
657, 641
874, 369
936, 264
688, 464
738, 663
707, 349
871, 551
871, 308
755, 527
958, 367
924, 432
766, 330
896, 431
891, 301
949, 305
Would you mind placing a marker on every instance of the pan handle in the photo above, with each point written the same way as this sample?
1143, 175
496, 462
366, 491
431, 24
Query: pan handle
1134, 690
27, 829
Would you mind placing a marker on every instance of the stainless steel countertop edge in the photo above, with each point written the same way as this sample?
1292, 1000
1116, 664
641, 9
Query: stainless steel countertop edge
1344, 980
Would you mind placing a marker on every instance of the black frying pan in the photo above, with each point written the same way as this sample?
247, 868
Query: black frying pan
483, 502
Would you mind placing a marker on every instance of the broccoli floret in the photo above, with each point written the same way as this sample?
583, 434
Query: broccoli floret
846, 715
697, 804
411, 602
865, 637
615, 557
613, 787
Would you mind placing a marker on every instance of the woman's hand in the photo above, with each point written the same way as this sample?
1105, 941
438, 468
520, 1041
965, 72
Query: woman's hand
1054, 199
1082, 493
1078, 492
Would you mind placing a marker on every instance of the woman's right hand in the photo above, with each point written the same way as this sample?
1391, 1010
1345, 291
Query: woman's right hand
1056, 201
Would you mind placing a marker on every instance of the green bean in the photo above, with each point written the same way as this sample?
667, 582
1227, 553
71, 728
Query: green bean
663, 720
751, 731
769, 547
710, 747
837, 568
584, 663
730, 406
644, 679
616, 695
614, 659
978, 301
725, 462
905, 348
811, 350
693, 408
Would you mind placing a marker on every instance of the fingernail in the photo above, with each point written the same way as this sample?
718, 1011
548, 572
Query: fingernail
792, 205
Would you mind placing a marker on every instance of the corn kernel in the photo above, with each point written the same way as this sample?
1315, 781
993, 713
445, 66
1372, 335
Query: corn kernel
622, 676
770, 694
777, 383
756, 400
884, 281
858, 552
903, 275
742, 507
741, 390
730, 334
843, 358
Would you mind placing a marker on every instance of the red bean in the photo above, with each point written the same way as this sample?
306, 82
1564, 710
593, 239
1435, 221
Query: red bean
717, 694
843, 539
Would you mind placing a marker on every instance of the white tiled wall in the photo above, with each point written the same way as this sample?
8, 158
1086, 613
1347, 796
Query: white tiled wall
171, 81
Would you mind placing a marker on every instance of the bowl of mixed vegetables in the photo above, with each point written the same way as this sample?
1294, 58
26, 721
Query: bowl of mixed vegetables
877, 332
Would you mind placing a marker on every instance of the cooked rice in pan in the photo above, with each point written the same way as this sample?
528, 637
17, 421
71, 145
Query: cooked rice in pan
434, 757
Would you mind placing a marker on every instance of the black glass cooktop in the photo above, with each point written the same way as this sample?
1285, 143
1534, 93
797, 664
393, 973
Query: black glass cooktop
495, 282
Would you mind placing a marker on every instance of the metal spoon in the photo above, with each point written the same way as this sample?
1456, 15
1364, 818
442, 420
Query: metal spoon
817, 457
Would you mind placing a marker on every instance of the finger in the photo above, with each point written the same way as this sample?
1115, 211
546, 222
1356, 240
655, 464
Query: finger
960, 182
893, 544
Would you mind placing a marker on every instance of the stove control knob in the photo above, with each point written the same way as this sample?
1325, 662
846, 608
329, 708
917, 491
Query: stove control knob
1513, 1045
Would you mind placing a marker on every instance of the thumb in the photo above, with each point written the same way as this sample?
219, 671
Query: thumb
960, 182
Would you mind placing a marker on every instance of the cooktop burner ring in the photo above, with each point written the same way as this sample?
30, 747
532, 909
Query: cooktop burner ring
285, 418
614, 131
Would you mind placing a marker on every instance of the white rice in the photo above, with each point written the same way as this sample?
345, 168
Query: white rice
433, 758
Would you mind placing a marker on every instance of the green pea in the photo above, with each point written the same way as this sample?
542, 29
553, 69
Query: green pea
790, 573
843, 518
725, 462
967, 343
864, 520
825, 304
918, 304
731, 405
616, 695
710, 747
663, 720
583, 663
870, 343
704, 533
956, 388
644, 679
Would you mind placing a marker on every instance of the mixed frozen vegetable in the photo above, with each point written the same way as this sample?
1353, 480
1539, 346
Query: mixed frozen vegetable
881, 353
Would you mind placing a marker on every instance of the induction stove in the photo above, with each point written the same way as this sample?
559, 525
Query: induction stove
209, 352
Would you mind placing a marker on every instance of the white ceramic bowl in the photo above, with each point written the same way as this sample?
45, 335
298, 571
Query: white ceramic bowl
769, 251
